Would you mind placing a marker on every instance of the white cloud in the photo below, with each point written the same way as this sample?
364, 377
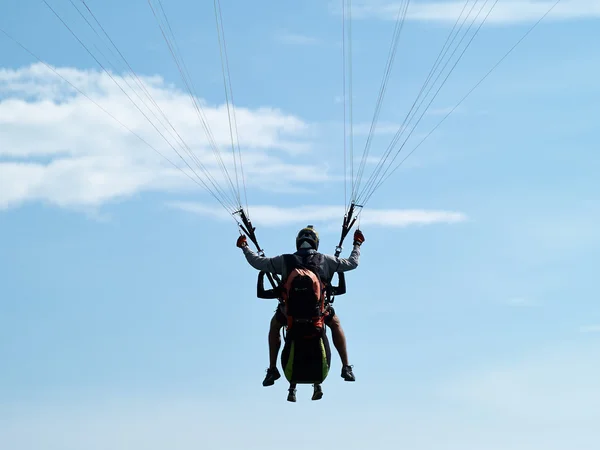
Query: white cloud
79, 181
273, 216
505, 12
58, 146
407, 217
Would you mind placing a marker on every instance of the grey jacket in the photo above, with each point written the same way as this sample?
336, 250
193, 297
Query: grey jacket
331, 264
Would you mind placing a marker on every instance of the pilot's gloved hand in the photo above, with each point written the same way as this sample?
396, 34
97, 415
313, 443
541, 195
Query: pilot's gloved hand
242, 242
359, 238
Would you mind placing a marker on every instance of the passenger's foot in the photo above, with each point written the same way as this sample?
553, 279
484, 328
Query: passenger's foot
318, 392
291, 395
272, 375
347, 373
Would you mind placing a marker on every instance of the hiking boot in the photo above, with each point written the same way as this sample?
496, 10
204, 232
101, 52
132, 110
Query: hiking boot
347, 373
318, 392
291, 395
272, 375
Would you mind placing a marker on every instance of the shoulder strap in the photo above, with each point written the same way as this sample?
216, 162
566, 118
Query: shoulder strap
290, 263
314, 262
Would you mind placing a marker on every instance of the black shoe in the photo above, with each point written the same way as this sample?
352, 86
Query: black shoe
347, 373
291, 395
272, 375
318, 392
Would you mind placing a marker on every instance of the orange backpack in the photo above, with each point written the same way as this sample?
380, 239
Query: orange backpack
303, 290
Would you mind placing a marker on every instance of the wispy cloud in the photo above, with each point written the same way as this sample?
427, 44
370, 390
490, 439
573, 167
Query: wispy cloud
273, 216
505, 12
57, 146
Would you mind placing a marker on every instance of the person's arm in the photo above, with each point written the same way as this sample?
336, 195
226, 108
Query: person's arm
273, 265
336, 264
262, 263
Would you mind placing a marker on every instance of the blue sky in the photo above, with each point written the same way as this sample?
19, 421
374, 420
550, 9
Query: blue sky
129, 316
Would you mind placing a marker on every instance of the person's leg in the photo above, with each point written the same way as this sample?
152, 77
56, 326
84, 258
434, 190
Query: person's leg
292, 393
274, 345
339, 338
317, 392
339, 341
274, 341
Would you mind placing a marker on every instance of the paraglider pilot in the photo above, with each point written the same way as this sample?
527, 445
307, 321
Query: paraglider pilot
307, 241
